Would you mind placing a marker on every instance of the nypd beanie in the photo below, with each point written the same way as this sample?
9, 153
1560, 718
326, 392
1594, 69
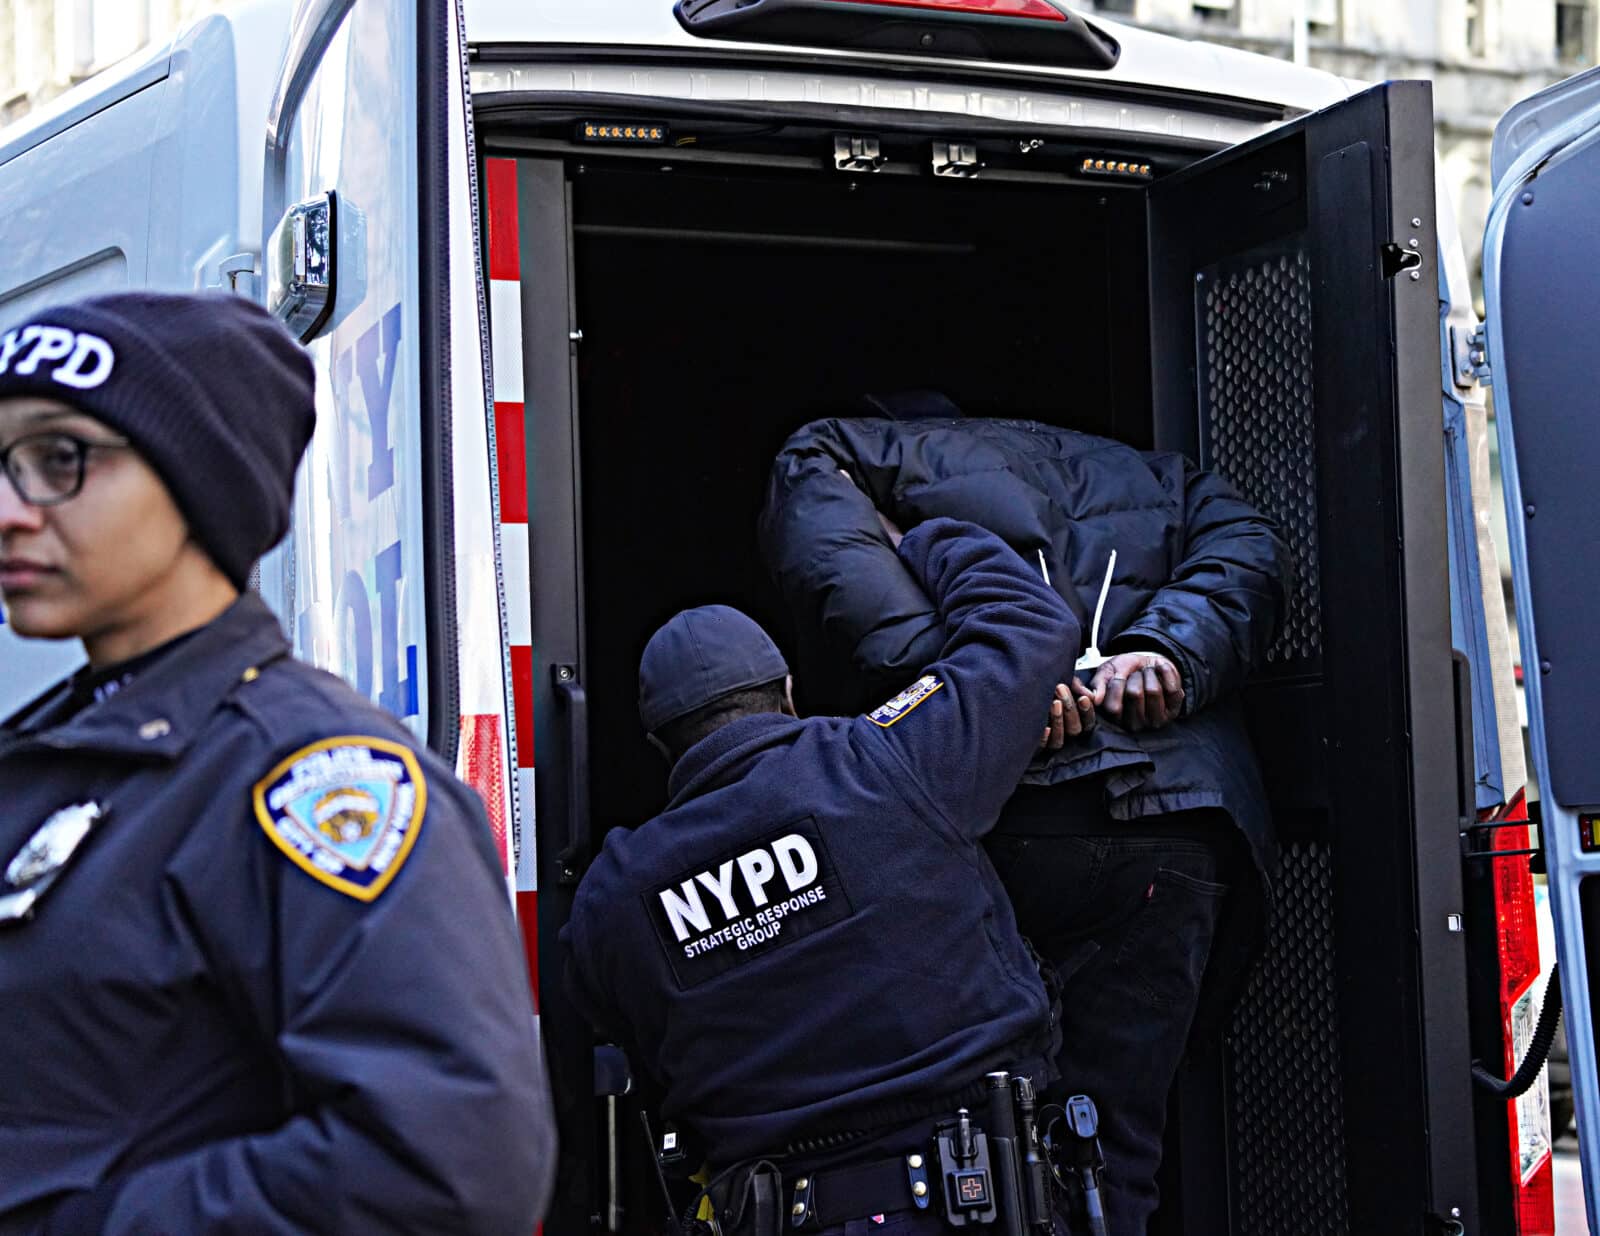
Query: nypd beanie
209, 388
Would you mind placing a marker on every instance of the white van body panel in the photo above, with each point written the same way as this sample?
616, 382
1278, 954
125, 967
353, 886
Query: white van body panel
854, 85
1535, 124
1148, 59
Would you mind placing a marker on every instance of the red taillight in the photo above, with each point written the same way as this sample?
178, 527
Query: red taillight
1036, 9
1517, 928
1536, 1202
1517, 936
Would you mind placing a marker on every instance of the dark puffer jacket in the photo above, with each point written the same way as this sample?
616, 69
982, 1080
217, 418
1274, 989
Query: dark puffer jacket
1200, 577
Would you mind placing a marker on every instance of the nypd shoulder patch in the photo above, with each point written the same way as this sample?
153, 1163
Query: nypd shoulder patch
346, 811
888, 714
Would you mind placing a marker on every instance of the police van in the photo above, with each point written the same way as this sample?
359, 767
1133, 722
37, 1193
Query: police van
571, 271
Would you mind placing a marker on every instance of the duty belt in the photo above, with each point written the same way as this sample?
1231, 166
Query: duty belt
836, 1195
992, 1174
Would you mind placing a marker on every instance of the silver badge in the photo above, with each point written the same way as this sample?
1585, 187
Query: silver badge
41, 860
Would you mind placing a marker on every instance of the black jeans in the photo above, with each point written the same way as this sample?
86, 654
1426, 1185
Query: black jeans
1127, 920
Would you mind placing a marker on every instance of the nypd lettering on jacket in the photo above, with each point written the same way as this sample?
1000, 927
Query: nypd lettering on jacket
771, 892
74, 358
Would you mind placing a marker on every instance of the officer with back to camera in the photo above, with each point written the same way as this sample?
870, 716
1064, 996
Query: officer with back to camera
257, 967
808, 948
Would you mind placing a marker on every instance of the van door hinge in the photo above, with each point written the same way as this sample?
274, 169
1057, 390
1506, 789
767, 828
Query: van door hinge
1469, 356
1478, 353
240, 272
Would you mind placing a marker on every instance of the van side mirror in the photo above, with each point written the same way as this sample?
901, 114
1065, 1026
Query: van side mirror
300, 263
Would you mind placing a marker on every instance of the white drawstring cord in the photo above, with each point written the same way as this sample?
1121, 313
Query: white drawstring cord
1092, 658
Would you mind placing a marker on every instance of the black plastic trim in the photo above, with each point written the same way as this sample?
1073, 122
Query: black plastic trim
555, 499
434, 389
862, 24
318, 21
573, 857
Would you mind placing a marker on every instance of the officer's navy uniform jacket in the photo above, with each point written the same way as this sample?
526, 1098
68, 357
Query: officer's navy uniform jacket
197, 1034
809, 939
1199, 577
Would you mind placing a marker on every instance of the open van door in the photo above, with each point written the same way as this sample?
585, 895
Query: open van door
391, 572
1295, 348
1541, 267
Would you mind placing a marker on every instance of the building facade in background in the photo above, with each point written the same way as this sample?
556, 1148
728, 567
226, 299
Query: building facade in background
1481, 55
48, 45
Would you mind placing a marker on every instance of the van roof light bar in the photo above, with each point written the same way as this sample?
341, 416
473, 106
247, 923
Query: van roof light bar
1041, 32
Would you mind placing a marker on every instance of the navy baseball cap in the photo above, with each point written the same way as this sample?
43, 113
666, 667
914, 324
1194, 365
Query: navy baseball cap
700, 655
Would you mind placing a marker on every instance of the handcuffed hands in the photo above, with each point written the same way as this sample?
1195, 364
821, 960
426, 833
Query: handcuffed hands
1138, 690
1071, 714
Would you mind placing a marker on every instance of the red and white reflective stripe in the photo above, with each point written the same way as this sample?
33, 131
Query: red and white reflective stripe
482, 753
505, 318
481, 763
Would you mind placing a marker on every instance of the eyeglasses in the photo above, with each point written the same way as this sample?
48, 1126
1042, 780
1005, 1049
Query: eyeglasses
48, 468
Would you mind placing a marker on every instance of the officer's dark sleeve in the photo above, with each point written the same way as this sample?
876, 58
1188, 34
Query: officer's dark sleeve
1219, 613
581, 962
832, 560
586, 966
962, 740
408, 1042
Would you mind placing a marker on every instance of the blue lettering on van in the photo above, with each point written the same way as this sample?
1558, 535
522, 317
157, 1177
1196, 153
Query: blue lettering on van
399, 693
394, 668
377, 352
353, 602
381, 669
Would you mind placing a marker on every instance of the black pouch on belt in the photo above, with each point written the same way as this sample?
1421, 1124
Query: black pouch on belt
749, 1202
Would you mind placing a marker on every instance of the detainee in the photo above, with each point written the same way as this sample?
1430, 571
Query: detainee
258, 969
1136, 849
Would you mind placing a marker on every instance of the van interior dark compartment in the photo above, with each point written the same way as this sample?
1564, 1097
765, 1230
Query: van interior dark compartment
748, 306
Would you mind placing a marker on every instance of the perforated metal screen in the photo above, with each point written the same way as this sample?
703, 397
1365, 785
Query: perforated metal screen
1254, 329
1285, 1110
1258, 428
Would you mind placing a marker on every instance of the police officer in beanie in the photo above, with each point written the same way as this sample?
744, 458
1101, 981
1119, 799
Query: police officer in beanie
257, 968
808, 951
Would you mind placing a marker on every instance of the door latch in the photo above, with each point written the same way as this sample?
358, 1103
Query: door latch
1399, 257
